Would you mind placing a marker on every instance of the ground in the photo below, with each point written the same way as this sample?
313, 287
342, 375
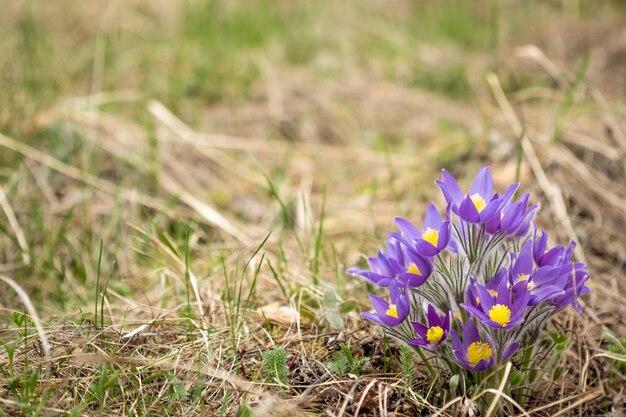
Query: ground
184, 184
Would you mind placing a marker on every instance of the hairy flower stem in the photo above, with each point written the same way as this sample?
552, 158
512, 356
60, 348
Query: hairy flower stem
426, 362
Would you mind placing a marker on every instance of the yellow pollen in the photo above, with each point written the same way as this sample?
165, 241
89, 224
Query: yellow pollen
501, 314
434, 334
458, 316
493, 293
413, 269
477, 352
431, 236
525, 277
477, 300
479, 202
393, 311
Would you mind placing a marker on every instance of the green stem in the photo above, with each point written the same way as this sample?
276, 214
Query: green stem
431, 371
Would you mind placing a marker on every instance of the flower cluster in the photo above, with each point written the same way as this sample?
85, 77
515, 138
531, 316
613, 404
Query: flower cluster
471, 286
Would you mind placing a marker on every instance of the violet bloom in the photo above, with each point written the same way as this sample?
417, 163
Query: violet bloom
436, 332
574, 288
474, 353
481, 204
542, 283
399, 265
389, 314
471, 295
435, 236
515, 218
502, 309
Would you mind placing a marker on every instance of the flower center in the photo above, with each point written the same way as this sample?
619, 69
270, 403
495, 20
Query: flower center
477, 352
413, 269
393, 311
501, 314
431, 236
479, 202
525, 277
434, 334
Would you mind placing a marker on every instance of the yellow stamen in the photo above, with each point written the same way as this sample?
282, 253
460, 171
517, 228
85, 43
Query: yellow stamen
434, 334
525, 277
393, 311
431, 236
501, 314
477, 352
479, 202
493, 293
477, 300
458, 316
413, 269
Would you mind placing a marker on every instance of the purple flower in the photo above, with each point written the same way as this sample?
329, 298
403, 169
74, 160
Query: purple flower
471, 295
390, 314
543, 283
436, 332
473, 353
515, 218
481, 204
502, 308
435, 236
400, 265
574, 288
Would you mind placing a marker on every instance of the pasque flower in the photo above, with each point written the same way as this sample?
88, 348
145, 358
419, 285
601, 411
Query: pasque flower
400, 265
390, 313
435, 333
574, 288
515, 218
542, 283
473, 352
435, 236
500, 308
486, 264
481, 204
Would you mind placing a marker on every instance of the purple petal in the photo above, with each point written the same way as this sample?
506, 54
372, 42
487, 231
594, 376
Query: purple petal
456, 343
470, 333
491, 210
508, 194
524, 262
410, 279
483, 184
408, 228
446, 322
475, 312
486, 299
425, 248
468, 211
420, 329
450, 188
373, 317
419, 342
510, 350
432, 218
444, 235
433, 317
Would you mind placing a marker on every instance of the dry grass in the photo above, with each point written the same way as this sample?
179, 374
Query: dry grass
226, 226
